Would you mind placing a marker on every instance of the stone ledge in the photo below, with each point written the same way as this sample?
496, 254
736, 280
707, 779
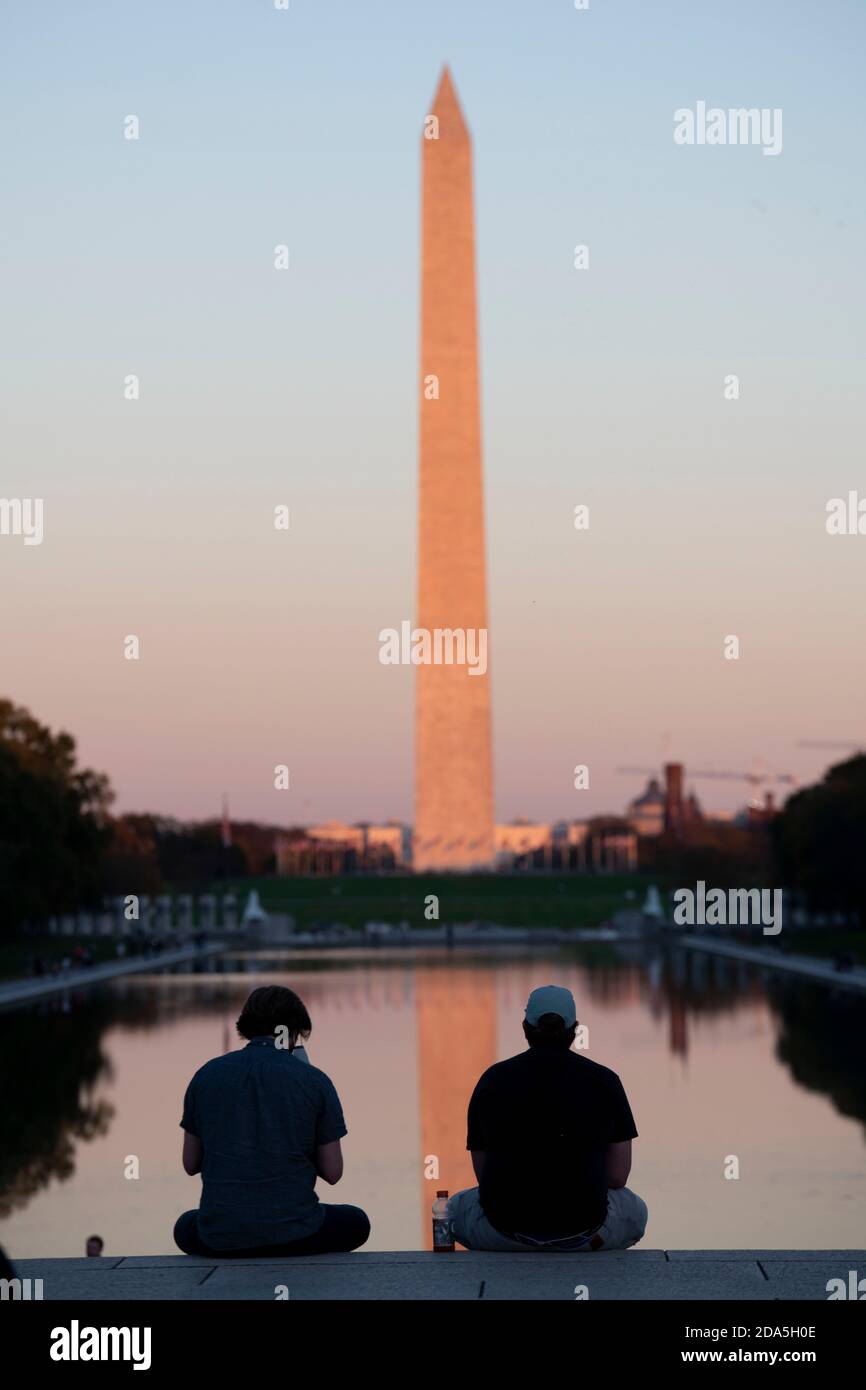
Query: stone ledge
416, 1275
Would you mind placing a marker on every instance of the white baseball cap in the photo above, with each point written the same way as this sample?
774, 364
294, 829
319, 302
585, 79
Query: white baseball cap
551, 999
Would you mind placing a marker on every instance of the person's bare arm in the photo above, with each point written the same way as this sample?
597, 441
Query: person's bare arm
617, 1163
478, 1157
329, 1162
192, 1153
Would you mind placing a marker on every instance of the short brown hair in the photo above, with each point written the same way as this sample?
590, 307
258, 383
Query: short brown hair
272, 1007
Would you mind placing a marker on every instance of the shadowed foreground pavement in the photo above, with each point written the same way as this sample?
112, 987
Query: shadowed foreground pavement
630, 1274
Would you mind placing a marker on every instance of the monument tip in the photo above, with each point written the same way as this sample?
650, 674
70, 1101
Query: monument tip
446, 103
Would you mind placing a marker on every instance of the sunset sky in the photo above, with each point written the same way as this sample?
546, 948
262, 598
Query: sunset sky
262, 387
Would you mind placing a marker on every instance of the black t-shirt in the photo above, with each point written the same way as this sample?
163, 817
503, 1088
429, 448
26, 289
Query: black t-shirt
544, 1120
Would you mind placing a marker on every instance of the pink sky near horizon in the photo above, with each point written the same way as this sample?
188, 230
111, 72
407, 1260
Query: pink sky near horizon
259, 648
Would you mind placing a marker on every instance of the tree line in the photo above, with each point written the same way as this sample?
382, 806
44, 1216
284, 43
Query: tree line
62, 849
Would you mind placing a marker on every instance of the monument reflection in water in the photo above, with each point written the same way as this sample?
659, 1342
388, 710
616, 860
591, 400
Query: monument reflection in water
715, 1064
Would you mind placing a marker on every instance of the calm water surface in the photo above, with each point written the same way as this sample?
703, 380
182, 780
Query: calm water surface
716, 1062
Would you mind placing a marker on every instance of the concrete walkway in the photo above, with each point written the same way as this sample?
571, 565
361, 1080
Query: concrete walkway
767, 1275
36, 986
810, 967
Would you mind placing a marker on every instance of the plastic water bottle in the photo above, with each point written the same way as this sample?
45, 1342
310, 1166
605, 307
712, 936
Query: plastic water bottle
443, 1235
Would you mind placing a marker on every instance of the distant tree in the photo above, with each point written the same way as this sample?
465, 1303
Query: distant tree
53, 822
820, 840
155, 854
130, 863
191, 854
257, 843
724, 856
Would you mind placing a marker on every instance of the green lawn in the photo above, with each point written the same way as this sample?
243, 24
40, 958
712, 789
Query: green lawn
541, 900
554, 900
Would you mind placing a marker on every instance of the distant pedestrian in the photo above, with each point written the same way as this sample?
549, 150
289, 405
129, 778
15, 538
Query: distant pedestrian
94, 1247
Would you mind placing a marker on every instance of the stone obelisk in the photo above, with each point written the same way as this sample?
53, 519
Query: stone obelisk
453, 776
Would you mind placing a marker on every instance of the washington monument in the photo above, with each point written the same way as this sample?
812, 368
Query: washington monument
453, 777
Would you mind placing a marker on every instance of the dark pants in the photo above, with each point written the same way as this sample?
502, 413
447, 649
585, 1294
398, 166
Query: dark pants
344, 1228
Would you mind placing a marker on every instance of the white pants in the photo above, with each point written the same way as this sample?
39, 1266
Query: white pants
623, 1226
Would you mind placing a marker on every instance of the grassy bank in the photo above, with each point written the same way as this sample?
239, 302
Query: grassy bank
549, 900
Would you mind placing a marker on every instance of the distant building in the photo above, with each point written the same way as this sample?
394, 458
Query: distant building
674, 798
757, 813
665, 809
693, 810
522, 837
610, 845
647, 812
337, 847
605, 844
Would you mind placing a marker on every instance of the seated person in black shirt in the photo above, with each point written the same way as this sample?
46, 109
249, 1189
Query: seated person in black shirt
550, 1135
261, 1125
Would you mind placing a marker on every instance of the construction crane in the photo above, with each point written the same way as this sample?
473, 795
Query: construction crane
754, 778
831, 743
